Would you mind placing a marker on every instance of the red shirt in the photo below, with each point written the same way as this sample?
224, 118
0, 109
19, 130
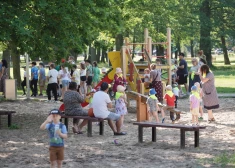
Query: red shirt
170, 101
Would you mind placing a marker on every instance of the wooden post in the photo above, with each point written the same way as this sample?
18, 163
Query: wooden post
196, 138
9, 119
169, 54
140, 134
89, 128
182, 138
123, 60
154, 135
149, 48
142, 114
102, 127
142, 88
146, 35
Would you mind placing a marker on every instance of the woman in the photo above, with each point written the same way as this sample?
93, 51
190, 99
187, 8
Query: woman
119, 79
3, 76
210, 98
193, 73
72, 104
64, 75
96, 74
155, 79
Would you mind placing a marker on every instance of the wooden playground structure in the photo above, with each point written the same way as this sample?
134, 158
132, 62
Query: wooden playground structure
132, 71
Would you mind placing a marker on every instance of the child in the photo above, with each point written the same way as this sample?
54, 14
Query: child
121, 102
194, 104
146, 78
169, 99
175, 90
90, 97
152, 105
57, 134
119, 79
197, 84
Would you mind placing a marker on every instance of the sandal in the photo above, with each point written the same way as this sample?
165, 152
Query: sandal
211, 119
74, 130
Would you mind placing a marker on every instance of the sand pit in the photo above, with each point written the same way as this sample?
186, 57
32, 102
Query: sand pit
27, 147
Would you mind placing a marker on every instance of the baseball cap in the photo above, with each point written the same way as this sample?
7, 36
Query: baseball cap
55, 111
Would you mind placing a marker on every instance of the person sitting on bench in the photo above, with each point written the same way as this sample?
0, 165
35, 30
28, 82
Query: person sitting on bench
101, 103
72, 103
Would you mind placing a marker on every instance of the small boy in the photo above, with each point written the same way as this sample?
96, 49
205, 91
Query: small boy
152, 106
194, 104
169, 99
57, 133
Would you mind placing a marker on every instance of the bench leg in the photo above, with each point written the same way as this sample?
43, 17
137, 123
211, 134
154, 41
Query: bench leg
140, 134
89, 128
66, 123
9, 120
154, 134
101, 127
196, 138
182, 138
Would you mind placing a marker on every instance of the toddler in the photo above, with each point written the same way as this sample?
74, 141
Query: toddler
175, 90
197, 84
120, 105
152, 105
169, 99
194, 104
57, 133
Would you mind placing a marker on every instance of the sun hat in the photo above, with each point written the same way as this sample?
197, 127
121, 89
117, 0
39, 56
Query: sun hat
118, 70
103, 70
194, 88
152, 91
121, 88
55, 111
82, 62
168, 87
93, 90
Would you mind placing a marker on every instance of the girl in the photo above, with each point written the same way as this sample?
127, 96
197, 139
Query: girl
64, 75
83, 78
194, 105
201, 95
152, 105
121, 102
96, 73
119, 79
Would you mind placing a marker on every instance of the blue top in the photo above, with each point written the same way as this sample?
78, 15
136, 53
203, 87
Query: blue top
34, 72
42, 73
55, 139
185, 70
0, 66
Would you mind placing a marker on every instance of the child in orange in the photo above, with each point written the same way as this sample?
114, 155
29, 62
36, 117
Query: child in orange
169, 99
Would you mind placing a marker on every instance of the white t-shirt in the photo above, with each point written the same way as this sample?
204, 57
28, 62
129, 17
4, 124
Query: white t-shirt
146, 77
83, 72
52, 74
99, 103
175, 90
64, 76
76, 75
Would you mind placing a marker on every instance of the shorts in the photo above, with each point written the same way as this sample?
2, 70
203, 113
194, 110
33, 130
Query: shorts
56, 153
113, 116
83, 78
42, 82
195, 111
89, 80
65, 83
183, 79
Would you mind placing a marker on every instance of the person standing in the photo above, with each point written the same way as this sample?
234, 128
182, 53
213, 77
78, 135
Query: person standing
42, 78
34, 79
118, 79
65, 77
52, 83
193, 73
210, 98
96, 72
182, 73
89, 74
76, 75
3, 76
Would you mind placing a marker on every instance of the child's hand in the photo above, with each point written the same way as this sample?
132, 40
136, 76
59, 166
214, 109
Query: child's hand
58, 132
49, 118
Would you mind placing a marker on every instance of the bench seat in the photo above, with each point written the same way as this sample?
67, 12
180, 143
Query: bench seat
89, 124
9, 113
182, 128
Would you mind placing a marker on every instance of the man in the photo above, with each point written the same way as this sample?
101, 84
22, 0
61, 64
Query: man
52, 83
42, 78
89, 74
34, 79
101, 102
182, 73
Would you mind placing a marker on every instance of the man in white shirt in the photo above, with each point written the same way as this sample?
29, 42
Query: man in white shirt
52, 82
101, 102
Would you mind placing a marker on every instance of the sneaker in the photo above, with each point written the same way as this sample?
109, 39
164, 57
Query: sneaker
200, 118
163, 120
120, 133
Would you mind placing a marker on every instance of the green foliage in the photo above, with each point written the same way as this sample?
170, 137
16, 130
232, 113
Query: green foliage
14, 126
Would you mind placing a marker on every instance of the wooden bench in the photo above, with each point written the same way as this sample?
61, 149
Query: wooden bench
182, 128
9, 113
89, 124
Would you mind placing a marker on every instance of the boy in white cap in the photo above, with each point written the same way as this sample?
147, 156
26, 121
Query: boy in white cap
152, 106
194, 104
57, 133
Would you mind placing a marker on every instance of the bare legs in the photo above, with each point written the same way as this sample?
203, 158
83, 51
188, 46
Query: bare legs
59, 164
210, 115
83, 87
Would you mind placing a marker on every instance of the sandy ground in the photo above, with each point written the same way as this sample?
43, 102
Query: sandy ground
27, 147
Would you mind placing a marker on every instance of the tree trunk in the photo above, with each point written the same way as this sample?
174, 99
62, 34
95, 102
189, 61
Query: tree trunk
191, 46
16, 65
225, 51
98, 55
103, 55
205, 29
6, 55
178, 48
119, 42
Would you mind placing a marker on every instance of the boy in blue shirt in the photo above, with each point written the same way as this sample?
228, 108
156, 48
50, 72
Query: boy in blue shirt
57, 133
34, 81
